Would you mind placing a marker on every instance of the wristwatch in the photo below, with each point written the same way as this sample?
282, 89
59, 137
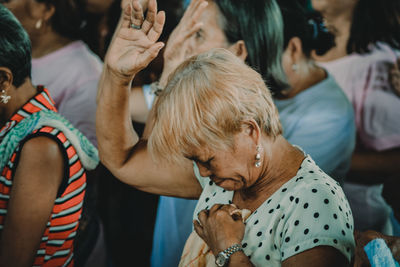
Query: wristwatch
223, 257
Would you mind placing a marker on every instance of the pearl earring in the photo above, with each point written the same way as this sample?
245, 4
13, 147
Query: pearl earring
4, 98
295, 67
38, 24
258, 157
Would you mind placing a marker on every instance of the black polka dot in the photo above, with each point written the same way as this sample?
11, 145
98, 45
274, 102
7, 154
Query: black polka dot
255, 222
283, 254
207, 199
343, 232
335, 216
340, 208
230, 201
260, 244
277, 207
326, 227
291, 198
316, 215
287, 239
297, 248
207, 207
267, 257
296, 222
269, 200
284, 190
297, 200
283, 216
315, 240
244, 245
270, 231
271, 211
275, 247
347, 225
300, 168
335, 241
259, 234
306, 231
211, 183
223, 191
311, 171
214, 194
281, 234
309, 161
333, 192
326, 201
305, 205
314, 190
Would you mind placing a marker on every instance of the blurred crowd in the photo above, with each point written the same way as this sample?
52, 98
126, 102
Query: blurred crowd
77, 187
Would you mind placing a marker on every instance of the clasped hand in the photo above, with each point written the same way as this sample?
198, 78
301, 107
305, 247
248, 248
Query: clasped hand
219, 228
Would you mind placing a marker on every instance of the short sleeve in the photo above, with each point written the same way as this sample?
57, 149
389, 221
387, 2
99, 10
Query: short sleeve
379, 110
319, 216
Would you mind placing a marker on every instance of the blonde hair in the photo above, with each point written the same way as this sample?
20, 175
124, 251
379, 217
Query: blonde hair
207, 99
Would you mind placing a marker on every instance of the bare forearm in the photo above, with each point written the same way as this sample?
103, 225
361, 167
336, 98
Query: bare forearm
115, 134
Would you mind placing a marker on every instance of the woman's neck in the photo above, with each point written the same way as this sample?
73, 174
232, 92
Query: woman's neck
281, 164
48, 43
21, 95
306, 79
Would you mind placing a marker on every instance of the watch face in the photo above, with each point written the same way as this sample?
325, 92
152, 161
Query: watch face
220, 260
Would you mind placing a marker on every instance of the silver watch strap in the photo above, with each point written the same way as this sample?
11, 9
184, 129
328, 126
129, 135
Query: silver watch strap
232, 249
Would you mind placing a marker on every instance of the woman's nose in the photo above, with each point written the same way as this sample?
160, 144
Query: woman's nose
204, 171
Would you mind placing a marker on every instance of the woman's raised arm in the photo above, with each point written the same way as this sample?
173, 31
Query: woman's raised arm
133, 48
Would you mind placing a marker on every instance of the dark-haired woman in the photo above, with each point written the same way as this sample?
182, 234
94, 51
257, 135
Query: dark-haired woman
367, 48
43, 163
70, 71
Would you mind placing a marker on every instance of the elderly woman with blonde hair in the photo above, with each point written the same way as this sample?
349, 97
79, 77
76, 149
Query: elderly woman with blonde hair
214, 134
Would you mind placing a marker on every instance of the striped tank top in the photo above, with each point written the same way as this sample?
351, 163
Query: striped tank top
56, 246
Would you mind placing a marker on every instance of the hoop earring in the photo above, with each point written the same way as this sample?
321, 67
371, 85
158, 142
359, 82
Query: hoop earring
38, 24
4, 98
258, 157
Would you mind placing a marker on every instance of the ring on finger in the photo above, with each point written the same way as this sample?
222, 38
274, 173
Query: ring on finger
136, 27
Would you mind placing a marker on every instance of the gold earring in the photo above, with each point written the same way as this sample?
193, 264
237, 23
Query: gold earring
258, 157
4, 98
38, 24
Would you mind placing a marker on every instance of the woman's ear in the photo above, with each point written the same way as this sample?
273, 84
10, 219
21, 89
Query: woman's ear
252, 129
6, 79
42, 12
294, 50
239, 49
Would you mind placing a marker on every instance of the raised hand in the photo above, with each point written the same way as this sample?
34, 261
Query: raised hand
174, 53
135, 43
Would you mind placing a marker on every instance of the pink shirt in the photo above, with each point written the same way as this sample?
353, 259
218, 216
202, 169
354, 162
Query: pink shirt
365, 80
71, 75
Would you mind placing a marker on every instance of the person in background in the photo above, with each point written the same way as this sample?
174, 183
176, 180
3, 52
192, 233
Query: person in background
216, 135
314, 111
60, 59
43, 162
367, 36
71, 72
